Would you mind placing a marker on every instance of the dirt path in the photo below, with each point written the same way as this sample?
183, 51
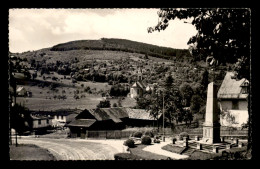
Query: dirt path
76, 149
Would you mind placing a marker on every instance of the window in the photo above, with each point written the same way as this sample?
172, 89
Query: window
245, 88
61, 117
137, 91
235, 104
47, 121
39, 122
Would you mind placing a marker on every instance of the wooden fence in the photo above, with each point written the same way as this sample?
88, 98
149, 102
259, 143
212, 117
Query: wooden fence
118, 134
108, 134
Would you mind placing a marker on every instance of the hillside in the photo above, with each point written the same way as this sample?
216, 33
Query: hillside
78, 74
122, 45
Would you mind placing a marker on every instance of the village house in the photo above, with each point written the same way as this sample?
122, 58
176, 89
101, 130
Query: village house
59, 117
232, 97
102, 119
40, 123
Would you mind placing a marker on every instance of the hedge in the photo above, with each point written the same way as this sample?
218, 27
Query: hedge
126, 156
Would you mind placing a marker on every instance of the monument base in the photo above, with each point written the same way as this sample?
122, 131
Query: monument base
211, 134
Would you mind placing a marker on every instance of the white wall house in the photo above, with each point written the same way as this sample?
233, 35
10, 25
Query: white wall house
232, 97
41, 122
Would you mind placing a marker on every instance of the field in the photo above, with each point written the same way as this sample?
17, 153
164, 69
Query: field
47, 99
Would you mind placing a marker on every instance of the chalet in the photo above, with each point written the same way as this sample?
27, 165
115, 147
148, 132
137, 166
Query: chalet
117, 118
21, 91
232, 97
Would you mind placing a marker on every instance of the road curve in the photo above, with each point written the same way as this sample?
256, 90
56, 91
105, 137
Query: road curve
77, 149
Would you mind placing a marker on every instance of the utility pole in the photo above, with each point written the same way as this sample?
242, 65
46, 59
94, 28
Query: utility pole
163, 119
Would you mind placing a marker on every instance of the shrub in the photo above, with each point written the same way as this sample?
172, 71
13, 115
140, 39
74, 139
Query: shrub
183, 134
126, 156
146, 140
149, 133
138, 134
130, 143
156, 141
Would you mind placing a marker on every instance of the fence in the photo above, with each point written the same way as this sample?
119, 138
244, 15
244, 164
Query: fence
108, 134
118, 134
223, 132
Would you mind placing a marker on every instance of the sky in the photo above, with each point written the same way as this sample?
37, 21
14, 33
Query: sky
33, 29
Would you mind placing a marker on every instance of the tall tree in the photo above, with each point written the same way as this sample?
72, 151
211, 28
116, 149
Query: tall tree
222, 33
186, 92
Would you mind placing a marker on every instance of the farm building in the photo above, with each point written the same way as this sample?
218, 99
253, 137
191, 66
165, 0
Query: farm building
117, 118
232, 97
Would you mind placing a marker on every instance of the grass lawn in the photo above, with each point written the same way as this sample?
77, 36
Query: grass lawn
29, 152
198, 155
138, 151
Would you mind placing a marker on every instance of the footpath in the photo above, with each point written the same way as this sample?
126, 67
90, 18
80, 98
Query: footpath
157, 149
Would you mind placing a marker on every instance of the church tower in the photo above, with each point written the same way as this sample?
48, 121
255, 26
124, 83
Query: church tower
139, 75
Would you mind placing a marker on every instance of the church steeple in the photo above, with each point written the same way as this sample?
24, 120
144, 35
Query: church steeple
139, 75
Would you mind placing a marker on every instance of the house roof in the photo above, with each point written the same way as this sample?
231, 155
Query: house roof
60, 112
231, 88
40, 117
82, 122
139, 84
141, 114
116, 114
109, 114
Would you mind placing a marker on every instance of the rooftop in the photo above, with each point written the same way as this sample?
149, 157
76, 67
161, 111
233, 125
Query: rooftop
231, 88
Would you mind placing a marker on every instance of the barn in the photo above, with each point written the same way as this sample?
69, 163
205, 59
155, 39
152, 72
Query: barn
117, 118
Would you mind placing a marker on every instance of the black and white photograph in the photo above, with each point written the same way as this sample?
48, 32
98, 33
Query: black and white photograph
118, 84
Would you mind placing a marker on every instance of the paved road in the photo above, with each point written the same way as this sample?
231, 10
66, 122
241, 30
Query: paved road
77, 149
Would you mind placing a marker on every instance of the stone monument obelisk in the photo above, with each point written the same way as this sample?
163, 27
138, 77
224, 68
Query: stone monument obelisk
211, 127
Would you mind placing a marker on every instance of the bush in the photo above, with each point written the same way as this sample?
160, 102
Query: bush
183, 134
130, 143
126, 156
149, 133
138, 134
146, 140
156, 141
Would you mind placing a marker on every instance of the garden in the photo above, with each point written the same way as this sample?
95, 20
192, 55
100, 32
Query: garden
138, 141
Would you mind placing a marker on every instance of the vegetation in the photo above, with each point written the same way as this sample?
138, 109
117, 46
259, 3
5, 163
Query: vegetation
130, 143
126, 156
146, 140
104, 104
138, 134
122, 45
29, 152
223, 37
183, 134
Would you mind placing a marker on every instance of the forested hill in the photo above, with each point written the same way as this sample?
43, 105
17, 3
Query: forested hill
122, 45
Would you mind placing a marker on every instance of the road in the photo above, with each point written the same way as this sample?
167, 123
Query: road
77, 149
